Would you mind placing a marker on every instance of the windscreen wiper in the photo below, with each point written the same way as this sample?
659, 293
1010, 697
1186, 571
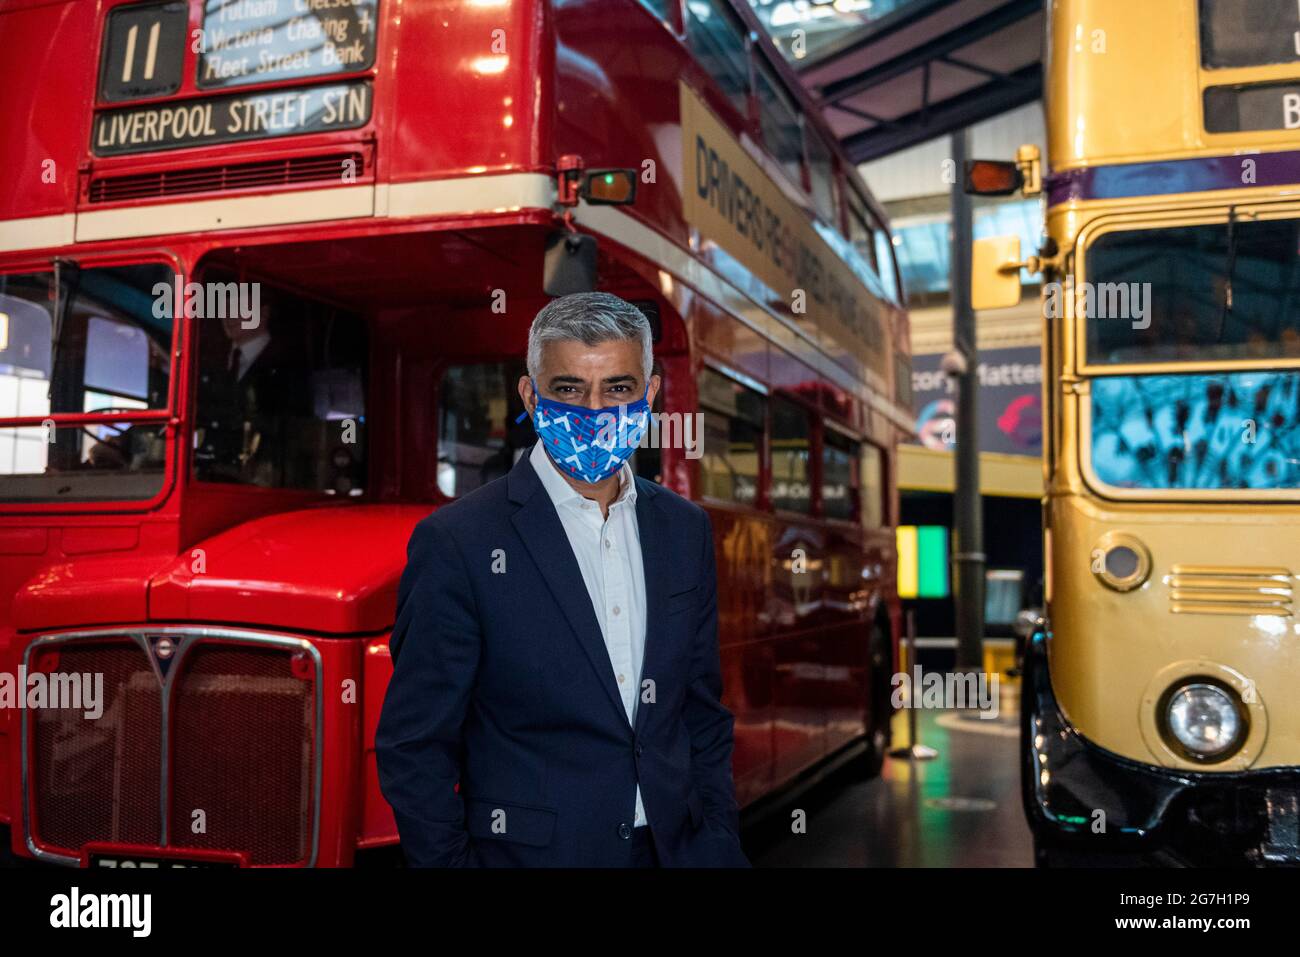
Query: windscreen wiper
1228, 272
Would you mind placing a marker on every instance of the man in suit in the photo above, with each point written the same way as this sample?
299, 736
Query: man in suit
254, 400
555, 698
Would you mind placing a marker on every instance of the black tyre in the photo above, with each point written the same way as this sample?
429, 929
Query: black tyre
880, 713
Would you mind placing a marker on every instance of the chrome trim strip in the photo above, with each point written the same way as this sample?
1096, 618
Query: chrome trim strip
189, 637
204, 213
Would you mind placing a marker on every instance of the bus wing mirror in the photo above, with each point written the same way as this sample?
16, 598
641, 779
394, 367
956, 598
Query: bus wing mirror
569, 265
995, 273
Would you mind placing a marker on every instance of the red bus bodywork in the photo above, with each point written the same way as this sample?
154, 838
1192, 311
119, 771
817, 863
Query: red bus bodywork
280, 600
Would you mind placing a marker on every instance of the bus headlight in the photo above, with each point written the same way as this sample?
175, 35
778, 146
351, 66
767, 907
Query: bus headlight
1203, 720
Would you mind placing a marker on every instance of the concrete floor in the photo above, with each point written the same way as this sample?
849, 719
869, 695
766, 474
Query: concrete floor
961, 809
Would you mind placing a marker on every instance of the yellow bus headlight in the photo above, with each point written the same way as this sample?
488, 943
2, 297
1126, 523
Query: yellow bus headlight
1203, 720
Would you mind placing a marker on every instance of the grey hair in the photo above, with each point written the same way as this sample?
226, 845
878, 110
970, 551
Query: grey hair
590, 318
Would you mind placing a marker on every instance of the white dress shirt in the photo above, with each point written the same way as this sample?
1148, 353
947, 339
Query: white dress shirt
608, 551
249, 350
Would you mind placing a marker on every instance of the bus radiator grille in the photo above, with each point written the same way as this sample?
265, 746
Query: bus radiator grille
240, 754
98, 779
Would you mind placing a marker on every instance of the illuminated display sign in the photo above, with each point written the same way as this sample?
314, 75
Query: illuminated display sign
1010, 402
143, 52
922, 561
239, 42
1259, 106
228, 119
1244, 33
260, 41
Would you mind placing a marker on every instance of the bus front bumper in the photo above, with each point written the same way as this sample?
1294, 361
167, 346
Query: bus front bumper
1085, 799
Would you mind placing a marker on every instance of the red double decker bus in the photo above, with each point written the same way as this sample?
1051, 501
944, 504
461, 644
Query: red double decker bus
266, 273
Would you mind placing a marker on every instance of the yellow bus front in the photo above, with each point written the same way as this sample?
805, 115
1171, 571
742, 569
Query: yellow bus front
1160, 713
1166, 713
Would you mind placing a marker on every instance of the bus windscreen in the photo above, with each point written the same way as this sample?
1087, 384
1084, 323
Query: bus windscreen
1208, 293
88, 342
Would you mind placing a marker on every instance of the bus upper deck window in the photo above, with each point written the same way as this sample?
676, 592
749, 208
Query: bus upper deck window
860, 234
885, 258
781, 128
821, 169
718, 41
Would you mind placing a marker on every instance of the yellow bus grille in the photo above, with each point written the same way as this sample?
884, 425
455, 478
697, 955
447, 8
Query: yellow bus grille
1230, 590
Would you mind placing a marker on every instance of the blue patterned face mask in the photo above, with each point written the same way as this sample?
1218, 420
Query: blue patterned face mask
589, 444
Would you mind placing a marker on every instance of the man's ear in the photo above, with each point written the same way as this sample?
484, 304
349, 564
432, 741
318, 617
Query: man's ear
652, 389
526, 394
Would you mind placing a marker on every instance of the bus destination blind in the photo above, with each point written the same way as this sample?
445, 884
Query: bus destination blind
1259, 106
260, 41
232, 118
239, 43
1237, 33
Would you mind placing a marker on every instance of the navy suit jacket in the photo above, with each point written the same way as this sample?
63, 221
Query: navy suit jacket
503, 740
